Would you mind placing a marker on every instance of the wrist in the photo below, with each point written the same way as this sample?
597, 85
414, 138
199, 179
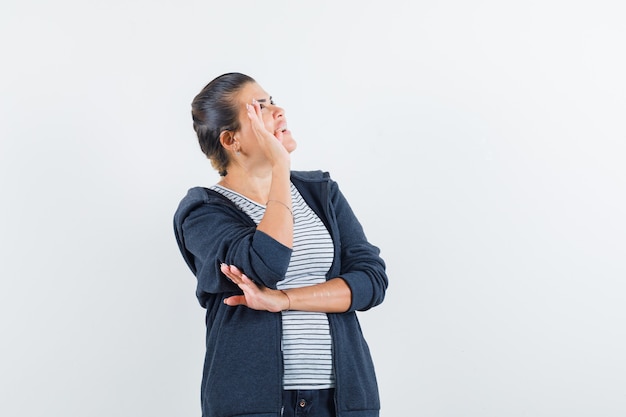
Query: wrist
281, 169
288, 301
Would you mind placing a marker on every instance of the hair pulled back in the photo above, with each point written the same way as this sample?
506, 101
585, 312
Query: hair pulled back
215, 110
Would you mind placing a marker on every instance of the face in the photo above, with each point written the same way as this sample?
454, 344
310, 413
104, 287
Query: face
273, 115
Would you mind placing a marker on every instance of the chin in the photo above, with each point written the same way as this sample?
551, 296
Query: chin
290, 145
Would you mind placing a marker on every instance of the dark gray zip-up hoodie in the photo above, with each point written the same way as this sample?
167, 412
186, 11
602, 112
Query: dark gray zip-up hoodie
243, 364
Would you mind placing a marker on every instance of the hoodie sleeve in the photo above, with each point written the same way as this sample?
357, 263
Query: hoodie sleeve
361, 265
210, 230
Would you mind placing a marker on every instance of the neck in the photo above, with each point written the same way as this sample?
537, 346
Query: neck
255, 186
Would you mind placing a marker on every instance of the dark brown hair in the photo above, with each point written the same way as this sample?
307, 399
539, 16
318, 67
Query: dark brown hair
213, 111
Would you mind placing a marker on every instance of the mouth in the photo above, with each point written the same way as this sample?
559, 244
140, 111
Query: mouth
281, 130
278, 133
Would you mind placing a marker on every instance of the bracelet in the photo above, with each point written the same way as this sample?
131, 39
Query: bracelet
283, 204
288, 300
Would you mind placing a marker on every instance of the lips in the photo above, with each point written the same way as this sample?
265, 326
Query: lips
278, 133
281, 129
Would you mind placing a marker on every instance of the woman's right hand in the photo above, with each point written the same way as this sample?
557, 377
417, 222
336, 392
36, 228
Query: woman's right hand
271, 146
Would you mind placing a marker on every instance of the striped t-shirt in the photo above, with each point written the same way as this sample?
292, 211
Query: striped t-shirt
306, 342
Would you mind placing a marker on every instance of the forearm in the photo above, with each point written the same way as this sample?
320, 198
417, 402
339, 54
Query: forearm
278, 219
332, 296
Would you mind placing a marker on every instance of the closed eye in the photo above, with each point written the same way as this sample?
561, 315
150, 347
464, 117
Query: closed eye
261, 101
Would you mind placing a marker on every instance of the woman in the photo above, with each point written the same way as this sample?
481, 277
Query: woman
282, 266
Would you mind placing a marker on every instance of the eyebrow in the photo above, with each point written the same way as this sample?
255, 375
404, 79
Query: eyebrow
262, 100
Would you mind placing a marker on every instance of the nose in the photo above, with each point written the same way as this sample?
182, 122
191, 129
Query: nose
278, 112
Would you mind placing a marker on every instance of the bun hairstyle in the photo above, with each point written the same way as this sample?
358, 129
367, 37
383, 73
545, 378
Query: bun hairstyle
214, 110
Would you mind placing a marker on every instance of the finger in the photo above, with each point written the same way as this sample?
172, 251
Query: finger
246, 280
257, 107
226, 270
233, 276
230, 269
237, 275
235, 300
254, 111
235, 270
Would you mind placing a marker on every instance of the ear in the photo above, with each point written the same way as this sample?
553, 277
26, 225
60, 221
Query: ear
227, 139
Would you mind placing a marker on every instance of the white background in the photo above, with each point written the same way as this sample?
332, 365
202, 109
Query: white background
481, 144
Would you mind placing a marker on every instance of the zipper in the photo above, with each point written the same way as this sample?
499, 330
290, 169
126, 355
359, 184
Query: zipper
281, 364
331, 320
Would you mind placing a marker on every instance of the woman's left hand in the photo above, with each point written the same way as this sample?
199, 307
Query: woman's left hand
254, 296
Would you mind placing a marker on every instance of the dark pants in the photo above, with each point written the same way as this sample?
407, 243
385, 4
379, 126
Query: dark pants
309, 403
